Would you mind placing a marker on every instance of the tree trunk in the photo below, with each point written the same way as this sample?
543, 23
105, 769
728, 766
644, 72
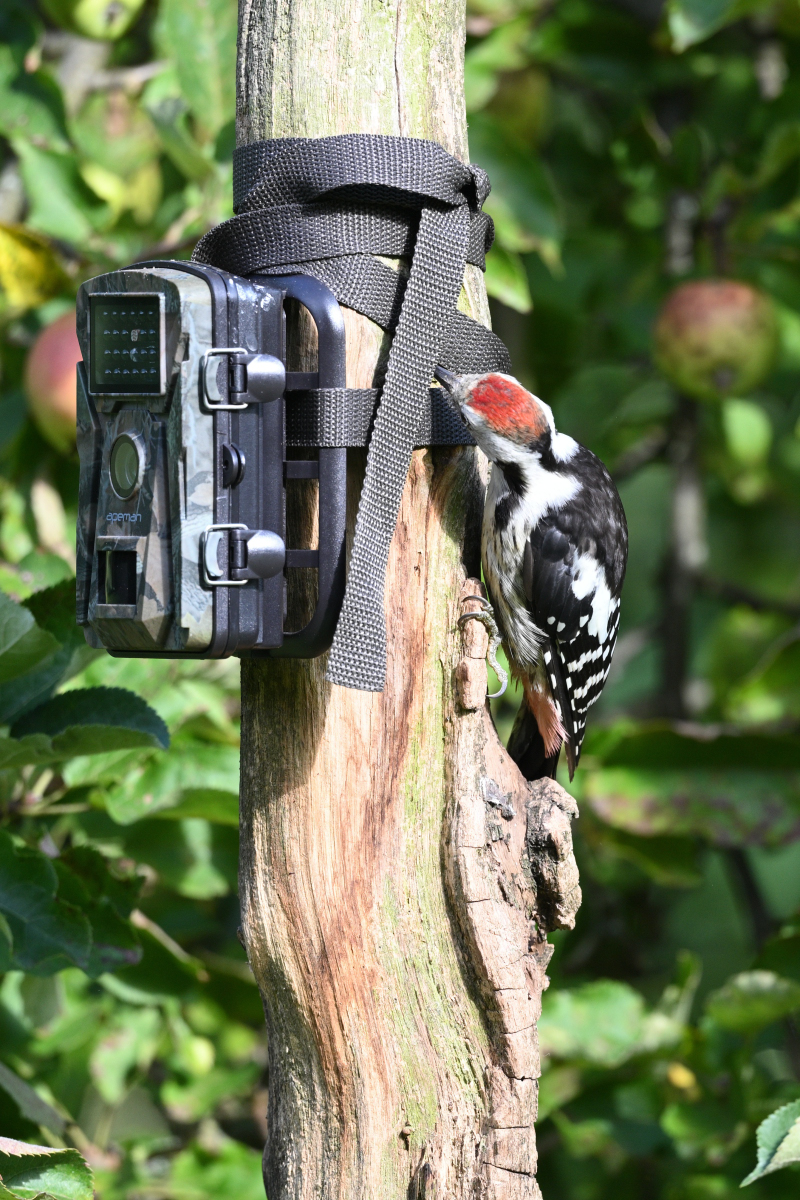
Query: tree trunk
398, 876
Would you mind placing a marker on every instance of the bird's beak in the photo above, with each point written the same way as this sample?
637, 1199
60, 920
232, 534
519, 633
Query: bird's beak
446, 378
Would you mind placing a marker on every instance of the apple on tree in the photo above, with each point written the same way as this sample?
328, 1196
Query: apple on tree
50, 382
103, 20
716, 338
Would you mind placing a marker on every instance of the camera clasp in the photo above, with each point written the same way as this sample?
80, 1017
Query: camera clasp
260, 378
252, 554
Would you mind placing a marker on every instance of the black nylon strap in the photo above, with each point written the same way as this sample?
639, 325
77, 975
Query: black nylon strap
297, 170
344, 417
324, 207
370, 287
358, 653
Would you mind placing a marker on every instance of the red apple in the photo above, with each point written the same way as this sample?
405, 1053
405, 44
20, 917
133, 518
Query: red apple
716, 338
50, 382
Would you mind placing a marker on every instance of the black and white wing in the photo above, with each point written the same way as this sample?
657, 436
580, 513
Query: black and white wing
573, 573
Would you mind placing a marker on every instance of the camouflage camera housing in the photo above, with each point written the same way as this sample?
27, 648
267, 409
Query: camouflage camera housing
182, 397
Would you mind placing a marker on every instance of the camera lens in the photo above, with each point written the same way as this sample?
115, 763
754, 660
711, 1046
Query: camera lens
126, 466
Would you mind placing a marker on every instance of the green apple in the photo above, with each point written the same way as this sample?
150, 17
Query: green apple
102, 20
716, 338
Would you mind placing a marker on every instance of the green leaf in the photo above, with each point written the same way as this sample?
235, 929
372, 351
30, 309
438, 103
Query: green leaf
748, 431
753, 999
781, 148
49, 934
30, 104
669, 861
205, 31
19, 27
778, 1141
232, 1170
194, 770
221, 808
61, 204
23, 645
134, 143
781, 954
6, 945
585, 1139
30, 1103
522, 201
94, 720
507, 280
129, 1044
692, 21
192, 856
772, 691
157, 979
707, 1126
190, 1102
731, 789
114, 941
728, 808
28, 1171
20, 752
37, 570
557, 1087
169, 118
503, 50
54, 611
659, 745
603, 1024
94, 871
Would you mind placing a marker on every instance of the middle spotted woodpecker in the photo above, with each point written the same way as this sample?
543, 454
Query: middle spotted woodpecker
554, 549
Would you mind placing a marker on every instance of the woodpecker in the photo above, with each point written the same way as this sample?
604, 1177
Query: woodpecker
554, 547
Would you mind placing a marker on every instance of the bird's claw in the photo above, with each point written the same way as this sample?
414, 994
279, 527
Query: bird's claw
486, 618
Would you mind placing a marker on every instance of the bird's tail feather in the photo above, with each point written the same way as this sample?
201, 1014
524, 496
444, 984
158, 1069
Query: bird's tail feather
526, 747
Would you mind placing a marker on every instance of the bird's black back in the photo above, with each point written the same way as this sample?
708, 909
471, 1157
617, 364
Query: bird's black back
588, 533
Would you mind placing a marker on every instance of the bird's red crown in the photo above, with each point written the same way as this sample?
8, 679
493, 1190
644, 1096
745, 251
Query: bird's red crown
508, 408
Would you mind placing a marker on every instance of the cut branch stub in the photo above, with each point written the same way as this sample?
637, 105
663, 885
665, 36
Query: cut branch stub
512, 877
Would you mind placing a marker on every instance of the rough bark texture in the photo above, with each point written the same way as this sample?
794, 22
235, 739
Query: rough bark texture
398, 876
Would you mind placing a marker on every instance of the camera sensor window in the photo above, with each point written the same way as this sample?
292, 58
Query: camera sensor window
126, 344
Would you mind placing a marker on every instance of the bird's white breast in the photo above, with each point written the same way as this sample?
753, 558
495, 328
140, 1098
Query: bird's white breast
503, 550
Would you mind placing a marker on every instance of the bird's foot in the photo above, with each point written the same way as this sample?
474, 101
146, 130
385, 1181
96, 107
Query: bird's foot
486, 618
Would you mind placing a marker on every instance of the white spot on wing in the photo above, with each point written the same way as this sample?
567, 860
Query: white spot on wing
589, 579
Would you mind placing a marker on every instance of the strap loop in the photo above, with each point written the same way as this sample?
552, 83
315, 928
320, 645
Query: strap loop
324, 207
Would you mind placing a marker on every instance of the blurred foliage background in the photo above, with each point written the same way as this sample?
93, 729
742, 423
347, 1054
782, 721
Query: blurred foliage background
634, 147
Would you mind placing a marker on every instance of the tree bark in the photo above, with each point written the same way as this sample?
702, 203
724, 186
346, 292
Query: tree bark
398, 877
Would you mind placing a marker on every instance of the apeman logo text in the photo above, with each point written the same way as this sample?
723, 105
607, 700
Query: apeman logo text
123, 516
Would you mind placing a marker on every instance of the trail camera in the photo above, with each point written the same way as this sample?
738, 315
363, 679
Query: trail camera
182, 396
